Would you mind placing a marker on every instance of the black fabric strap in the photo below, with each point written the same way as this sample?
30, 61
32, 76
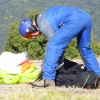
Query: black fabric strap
36, 20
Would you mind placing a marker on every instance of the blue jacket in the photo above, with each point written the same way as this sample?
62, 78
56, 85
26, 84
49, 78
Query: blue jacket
60, 25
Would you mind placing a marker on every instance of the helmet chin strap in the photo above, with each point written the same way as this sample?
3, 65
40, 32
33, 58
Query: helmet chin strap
36, 20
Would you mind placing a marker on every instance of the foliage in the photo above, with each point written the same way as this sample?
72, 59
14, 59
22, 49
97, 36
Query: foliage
11, 10
36, 47
72, 50
96, 48
31, 13
16, 44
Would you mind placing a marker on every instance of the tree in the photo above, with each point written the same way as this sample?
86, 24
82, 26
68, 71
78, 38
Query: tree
36, 47
16, 44
72, 51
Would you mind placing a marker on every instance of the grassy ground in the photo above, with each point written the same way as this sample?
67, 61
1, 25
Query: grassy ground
26, 92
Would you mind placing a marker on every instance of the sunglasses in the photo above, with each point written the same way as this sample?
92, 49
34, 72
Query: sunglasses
32, 29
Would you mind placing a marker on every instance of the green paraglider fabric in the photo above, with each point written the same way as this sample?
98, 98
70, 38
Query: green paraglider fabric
29, 75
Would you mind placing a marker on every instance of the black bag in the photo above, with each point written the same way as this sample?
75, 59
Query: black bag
72, 74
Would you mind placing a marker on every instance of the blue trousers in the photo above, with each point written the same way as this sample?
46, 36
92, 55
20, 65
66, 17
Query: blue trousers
78, 25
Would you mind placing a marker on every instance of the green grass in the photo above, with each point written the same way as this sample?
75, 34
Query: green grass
26, 92
53, 94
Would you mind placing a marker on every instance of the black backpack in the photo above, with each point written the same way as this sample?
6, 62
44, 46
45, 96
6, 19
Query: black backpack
72, 74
